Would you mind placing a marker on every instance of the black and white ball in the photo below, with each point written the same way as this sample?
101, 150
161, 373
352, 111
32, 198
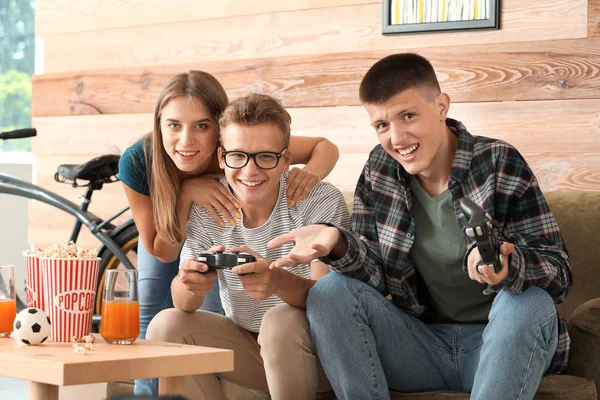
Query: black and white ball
32, 326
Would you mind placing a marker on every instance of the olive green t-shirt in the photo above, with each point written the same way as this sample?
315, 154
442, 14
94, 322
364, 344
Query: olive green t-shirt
438, 252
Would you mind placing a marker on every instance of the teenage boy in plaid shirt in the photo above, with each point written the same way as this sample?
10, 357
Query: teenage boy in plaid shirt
447, 326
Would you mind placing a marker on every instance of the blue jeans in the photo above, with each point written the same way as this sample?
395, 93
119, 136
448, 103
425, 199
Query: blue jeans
368, 346
154, 288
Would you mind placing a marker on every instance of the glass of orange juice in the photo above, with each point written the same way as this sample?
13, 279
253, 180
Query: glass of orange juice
8, 300
120, 319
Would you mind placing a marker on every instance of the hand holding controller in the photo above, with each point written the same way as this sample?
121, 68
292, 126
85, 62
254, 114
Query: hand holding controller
224, 260
479, 226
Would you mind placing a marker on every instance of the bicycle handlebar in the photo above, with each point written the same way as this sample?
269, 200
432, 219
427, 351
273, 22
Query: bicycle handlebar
18, 187
18, 134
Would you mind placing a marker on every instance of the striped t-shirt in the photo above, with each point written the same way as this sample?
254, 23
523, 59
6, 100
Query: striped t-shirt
324, 203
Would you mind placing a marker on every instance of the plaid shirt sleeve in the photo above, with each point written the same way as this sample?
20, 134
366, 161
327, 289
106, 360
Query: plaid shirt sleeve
363, 259
540, 257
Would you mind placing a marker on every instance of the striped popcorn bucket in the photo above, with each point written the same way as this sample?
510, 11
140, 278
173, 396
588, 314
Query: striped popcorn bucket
70, 293
34, 290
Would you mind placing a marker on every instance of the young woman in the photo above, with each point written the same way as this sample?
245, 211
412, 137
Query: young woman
176, 165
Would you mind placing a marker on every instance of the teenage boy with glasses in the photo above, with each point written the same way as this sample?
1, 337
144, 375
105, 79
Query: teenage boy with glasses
265, 320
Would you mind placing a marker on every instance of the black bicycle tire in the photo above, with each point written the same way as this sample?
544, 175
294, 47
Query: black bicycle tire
123, 240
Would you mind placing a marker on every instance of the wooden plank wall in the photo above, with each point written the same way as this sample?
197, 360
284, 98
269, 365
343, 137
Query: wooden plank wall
534, 83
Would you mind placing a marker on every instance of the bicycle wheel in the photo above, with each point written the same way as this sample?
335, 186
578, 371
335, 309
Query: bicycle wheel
127, 240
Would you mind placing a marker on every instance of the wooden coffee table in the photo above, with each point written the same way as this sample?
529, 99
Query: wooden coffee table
51, 365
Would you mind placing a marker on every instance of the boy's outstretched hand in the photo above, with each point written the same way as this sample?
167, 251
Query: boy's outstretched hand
312, 241
488, 275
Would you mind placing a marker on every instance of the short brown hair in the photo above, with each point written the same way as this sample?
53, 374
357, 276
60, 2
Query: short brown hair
256, 109
397, 73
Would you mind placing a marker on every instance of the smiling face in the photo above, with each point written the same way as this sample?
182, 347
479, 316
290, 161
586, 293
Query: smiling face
254, 187
189, 135
412, 129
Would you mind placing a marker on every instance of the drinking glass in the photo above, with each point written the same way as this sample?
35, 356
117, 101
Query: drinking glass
8, 300
120, 319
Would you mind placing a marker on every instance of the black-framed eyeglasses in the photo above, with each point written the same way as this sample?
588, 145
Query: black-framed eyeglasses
237, 159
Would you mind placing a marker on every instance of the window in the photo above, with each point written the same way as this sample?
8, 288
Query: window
17, 45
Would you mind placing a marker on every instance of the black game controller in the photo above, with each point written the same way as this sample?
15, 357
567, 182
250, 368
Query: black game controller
224, 260
479, 227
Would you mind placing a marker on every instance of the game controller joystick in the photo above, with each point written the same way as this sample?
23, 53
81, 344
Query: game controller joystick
479, 226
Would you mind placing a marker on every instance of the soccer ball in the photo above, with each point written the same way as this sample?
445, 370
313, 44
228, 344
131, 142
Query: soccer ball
32, 326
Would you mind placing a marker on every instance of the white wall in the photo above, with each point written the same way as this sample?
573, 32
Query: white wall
14, 215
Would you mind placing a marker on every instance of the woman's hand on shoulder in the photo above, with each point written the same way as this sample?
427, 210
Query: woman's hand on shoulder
300, 182
208, 192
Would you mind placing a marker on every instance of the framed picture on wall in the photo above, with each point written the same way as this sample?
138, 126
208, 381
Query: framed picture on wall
418, 16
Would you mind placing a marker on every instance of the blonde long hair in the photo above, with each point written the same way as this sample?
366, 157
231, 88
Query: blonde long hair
163, 177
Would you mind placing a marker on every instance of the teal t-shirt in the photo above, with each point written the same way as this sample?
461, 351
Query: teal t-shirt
438, 252
132, 168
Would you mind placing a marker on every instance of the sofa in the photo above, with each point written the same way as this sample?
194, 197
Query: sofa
578, 215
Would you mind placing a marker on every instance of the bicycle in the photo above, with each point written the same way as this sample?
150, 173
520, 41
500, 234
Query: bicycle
118, 242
